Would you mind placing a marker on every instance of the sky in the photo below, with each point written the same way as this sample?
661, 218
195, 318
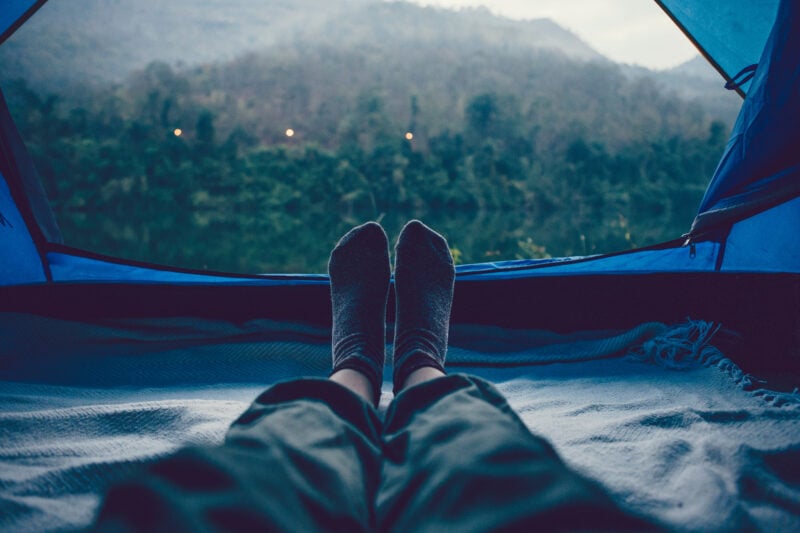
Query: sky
626, 31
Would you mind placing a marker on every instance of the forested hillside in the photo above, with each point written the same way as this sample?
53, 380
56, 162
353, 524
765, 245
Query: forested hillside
512, 144
97, 41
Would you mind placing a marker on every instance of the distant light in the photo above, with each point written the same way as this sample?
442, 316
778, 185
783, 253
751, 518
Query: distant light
409, 135
178, 132
290, 132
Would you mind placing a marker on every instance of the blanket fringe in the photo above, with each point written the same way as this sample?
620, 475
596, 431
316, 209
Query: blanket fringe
689, 346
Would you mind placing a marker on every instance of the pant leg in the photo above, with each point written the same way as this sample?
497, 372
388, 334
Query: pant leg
304, 457
457, 458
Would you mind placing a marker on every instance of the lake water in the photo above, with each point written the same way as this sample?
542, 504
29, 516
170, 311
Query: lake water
279, 242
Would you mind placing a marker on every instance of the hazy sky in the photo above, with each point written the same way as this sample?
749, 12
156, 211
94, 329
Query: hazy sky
627, 31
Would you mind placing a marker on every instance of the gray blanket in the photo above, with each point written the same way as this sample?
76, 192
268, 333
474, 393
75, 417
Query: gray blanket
669, 425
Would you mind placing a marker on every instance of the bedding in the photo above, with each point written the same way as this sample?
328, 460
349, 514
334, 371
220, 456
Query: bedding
669, 425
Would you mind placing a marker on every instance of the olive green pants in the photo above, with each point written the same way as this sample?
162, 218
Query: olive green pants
309, 455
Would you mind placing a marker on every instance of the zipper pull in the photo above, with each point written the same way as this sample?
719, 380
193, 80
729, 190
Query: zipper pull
690, 243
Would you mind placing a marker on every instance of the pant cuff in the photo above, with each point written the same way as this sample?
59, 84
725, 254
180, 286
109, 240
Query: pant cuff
343, 402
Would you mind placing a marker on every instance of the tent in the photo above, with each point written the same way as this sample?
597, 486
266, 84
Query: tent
738, 265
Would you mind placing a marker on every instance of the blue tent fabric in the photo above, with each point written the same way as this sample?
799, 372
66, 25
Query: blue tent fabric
731, 34
27, 223
19, 261
761, 163
746, 249
14, 13
72, 266
701, 258
23, 180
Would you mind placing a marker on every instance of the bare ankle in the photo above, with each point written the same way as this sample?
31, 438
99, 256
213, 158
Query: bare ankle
421, 375
356, 382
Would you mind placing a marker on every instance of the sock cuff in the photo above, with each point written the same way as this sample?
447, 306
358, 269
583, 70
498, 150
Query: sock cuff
358, 352
419, 340
417, 348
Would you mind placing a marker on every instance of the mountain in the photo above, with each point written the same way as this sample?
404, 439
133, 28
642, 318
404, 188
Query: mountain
101, 41
696, 80
697, 68
263, 66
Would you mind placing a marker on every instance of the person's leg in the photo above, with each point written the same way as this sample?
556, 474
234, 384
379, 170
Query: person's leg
306, 455
456, 456
424, 277
359, 271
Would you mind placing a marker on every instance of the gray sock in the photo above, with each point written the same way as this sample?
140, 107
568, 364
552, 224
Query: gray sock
359, 271
424, 277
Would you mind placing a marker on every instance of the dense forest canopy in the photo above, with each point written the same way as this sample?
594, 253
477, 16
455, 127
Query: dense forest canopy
513, 138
